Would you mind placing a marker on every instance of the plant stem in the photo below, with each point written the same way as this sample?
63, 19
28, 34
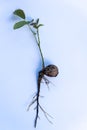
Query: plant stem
37, 38
40, 49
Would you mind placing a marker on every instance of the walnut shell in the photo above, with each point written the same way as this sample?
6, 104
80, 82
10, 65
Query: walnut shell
51, 71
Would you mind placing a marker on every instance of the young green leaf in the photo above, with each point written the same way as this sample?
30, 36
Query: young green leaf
33, 24
20, 13
20, 24
40, 25
37, 21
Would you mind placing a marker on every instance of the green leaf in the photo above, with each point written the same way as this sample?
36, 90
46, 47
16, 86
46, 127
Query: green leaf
20, 24
20, 13
37, 21
33, 24
36, 26
40, 25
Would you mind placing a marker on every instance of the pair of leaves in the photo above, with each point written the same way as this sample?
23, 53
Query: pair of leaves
20, 13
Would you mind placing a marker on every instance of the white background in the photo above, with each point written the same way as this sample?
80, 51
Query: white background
64, 43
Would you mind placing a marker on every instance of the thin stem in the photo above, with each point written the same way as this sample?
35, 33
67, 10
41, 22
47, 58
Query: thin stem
40, 48
34, 34
37, 39
40, 76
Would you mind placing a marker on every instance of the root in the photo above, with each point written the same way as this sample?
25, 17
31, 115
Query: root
34, 100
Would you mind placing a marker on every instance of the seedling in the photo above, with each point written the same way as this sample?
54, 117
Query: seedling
50, 70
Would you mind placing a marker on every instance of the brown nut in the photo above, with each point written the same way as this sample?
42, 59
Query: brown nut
51, 71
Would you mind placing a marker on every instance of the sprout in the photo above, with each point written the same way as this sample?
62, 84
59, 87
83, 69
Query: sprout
50, 70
